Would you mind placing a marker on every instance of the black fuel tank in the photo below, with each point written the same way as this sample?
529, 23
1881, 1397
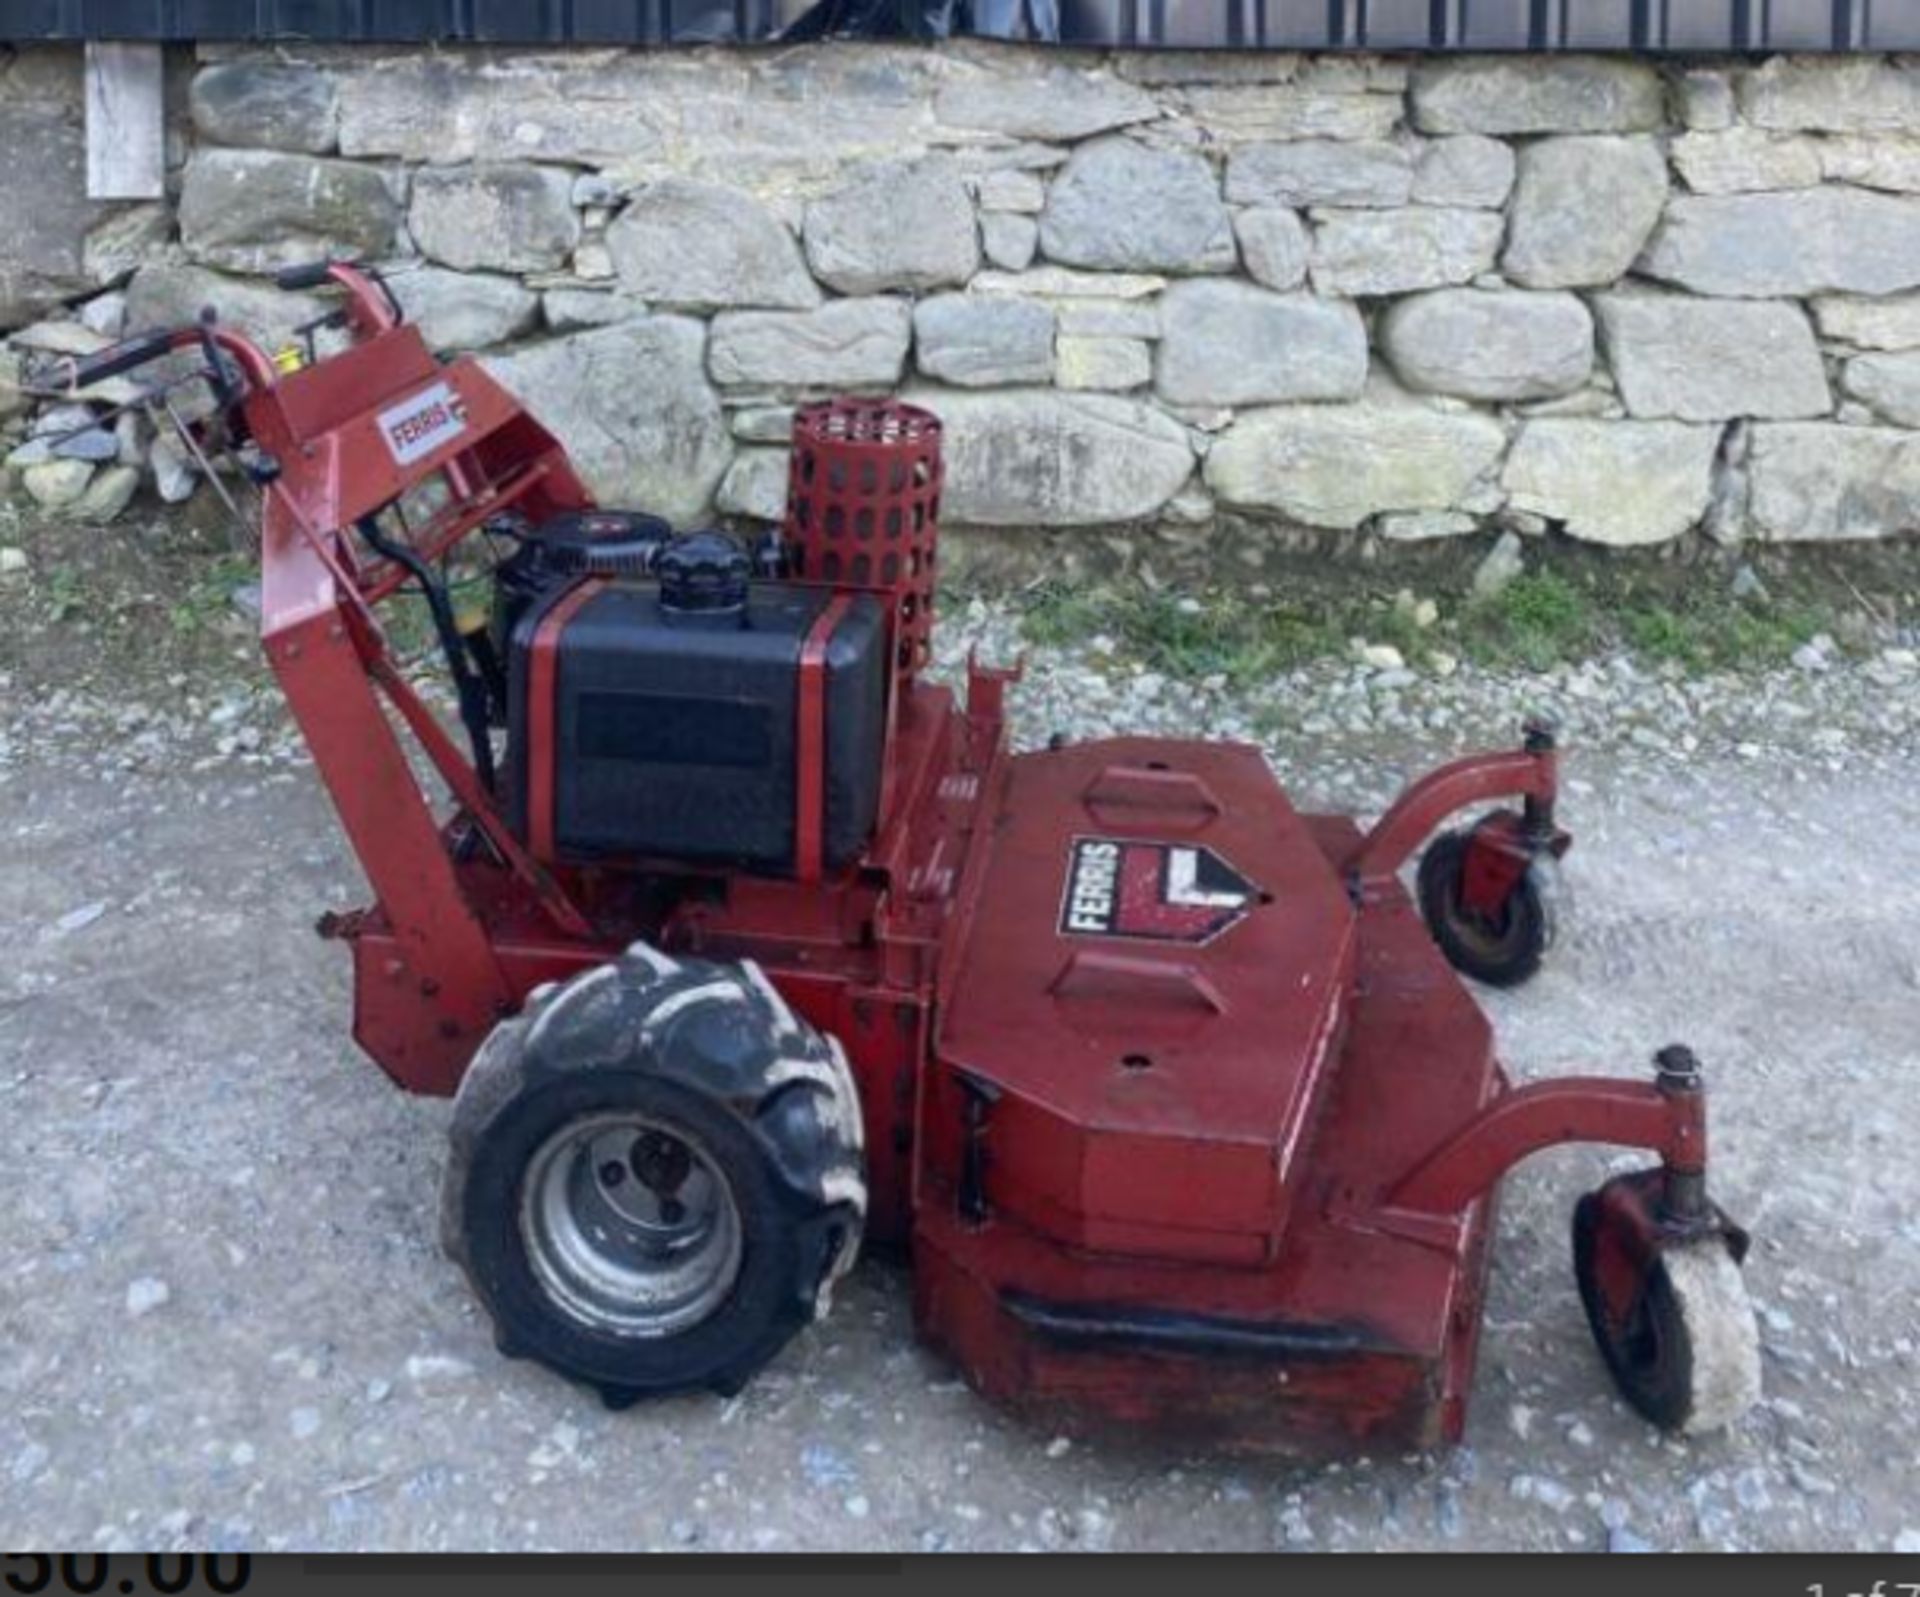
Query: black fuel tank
673, 734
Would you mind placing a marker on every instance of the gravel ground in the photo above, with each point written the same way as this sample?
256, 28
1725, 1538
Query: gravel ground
224, 1320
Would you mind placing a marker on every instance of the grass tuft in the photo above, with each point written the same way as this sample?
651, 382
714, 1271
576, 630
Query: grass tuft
1549, 616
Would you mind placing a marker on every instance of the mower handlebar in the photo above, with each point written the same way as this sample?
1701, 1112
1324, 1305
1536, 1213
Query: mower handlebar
372, 307
223, 350
117, 359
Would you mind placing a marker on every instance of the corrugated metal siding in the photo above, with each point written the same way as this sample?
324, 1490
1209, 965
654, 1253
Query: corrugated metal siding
1645, 25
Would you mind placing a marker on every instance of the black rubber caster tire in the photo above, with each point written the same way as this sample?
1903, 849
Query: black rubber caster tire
1687, 1354
1503, 951
656, 1175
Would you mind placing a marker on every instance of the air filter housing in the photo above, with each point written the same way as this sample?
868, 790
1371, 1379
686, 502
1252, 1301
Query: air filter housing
863, 509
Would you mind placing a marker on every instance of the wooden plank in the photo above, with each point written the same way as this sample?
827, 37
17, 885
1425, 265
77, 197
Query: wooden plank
126, 122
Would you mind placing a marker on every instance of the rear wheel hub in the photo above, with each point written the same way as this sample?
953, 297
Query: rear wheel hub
629, 1225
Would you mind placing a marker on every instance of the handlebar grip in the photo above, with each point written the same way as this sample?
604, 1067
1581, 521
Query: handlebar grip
315, 274
118, 358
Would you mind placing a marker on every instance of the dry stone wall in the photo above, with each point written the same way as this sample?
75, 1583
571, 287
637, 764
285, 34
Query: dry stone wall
1413, 297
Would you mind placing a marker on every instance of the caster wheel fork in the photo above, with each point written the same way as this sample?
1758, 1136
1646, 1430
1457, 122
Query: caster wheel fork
1502, 944
1674, 1324
1659, 1271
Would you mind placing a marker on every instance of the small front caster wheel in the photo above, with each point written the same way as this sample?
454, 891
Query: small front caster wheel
1505, 947
1675, 1327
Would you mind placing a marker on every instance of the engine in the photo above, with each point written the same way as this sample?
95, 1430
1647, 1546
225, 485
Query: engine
677, 699
662, 705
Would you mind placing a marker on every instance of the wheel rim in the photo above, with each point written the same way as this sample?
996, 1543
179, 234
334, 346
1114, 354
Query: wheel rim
1489, 936
630, 1226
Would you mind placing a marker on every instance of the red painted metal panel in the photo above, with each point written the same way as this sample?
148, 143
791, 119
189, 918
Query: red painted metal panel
810, 740
1370, 1335
1148, 1087
543, 687
442, 956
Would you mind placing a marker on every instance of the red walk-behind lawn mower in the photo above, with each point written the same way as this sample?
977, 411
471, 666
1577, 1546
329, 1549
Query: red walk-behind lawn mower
752, 941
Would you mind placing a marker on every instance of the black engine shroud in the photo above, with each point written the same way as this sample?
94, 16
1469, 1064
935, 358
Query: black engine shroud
674, 734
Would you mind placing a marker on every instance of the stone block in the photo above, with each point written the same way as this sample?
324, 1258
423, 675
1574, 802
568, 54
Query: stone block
259, 104
1358, 173
633, 405
1537, 94
1337, 465
904, 225
1489, 344
1037, 457
1465, 169
1675, 355
702, 246
1121, 206
1113, 364
980, 342
1229, 343
495, 216
1396, 252
1822, 482
846, 343
1765, 246
1582, 210
258, 210
1621, 483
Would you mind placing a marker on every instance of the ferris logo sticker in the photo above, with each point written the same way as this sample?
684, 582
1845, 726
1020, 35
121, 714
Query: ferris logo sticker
416, 427
1163, 892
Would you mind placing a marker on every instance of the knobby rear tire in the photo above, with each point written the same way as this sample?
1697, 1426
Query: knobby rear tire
656, 1176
